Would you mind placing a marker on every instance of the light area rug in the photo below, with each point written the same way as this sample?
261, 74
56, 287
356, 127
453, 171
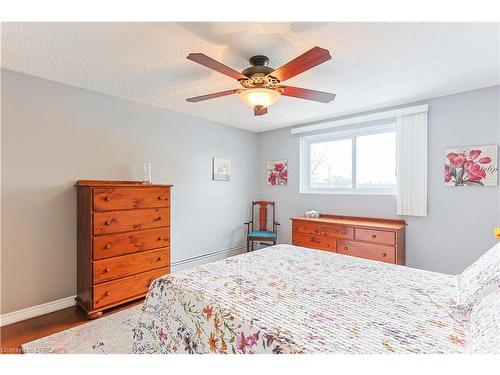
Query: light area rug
111, 334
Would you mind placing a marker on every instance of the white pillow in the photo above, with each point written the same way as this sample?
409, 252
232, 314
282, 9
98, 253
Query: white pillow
479, 280
482, 334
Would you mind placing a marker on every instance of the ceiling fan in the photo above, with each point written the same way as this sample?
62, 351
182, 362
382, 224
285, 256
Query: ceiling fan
262, 84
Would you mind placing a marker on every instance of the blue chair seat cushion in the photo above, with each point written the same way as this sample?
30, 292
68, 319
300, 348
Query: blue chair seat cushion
261, 234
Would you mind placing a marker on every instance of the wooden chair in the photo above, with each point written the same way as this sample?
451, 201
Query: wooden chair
262, 234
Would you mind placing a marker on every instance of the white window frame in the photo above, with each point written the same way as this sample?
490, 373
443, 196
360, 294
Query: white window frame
305, 155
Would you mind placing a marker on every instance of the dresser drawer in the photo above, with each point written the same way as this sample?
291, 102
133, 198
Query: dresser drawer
112, 245
126, 265
337, 231
130, 198
367, 251
305, 227
123, 221
373, 235
314, 242
126, 288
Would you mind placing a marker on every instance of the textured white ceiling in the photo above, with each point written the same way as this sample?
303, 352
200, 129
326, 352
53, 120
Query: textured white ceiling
373, 64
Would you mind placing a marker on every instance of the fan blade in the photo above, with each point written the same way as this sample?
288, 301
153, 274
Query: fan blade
306, 61
259, 110
211, 96
317, 96
204, 60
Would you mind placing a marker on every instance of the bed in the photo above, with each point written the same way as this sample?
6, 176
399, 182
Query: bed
288, 299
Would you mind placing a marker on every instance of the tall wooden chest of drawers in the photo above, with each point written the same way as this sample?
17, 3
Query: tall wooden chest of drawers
123, 241
376, 239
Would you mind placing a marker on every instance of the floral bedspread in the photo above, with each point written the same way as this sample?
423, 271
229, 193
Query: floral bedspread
288, 299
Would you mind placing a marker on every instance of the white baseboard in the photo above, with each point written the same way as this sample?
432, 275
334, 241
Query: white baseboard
208, 257
63, 303
31, 312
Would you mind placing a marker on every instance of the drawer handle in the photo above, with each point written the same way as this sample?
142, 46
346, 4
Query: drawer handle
107, 246
346, 248
107, 222
107, 198
107, 269
336, 231
159, 218
107, 294
161, 198
161, 238
384, 255
374, 236
160, 257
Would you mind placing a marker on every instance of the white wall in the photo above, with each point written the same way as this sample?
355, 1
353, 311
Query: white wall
53, 135
460, 222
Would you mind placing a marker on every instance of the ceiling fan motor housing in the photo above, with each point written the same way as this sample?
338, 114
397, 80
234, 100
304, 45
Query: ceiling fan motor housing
259, 67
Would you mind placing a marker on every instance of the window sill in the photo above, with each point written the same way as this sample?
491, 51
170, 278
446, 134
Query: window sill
350, 192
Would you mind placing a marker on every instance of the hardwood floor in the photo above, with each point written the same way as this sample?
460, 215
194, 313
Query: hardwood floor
13, 335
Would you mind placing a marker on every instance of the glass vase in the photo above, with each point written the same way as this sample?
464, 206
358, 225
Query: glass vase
147, 179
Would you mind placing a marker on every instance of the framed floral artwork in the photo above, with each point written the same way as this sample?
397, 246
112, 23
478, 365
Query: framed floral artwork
471, 166
221, 169
277, 172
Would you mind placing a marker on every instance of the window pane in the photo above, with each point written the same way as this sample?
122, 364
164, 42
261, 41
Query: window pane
376, 161
331, 164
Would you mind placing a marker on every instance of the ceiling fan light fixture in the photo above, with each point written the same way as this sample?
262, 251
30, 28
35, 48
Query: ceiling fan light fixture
259, 97
262, 85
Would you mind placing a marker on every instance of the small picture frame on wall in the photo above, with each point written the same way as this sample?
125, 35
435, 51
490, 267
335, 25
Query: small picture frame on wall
471, 166
277, 172
221, 169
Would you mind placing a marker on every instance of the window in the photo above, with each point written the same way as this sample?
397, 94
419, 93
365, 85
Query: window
359, 161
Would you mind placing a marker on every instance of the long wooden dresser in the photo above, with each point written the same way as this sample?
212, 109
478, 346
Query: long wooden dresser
376, 239
123, 241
